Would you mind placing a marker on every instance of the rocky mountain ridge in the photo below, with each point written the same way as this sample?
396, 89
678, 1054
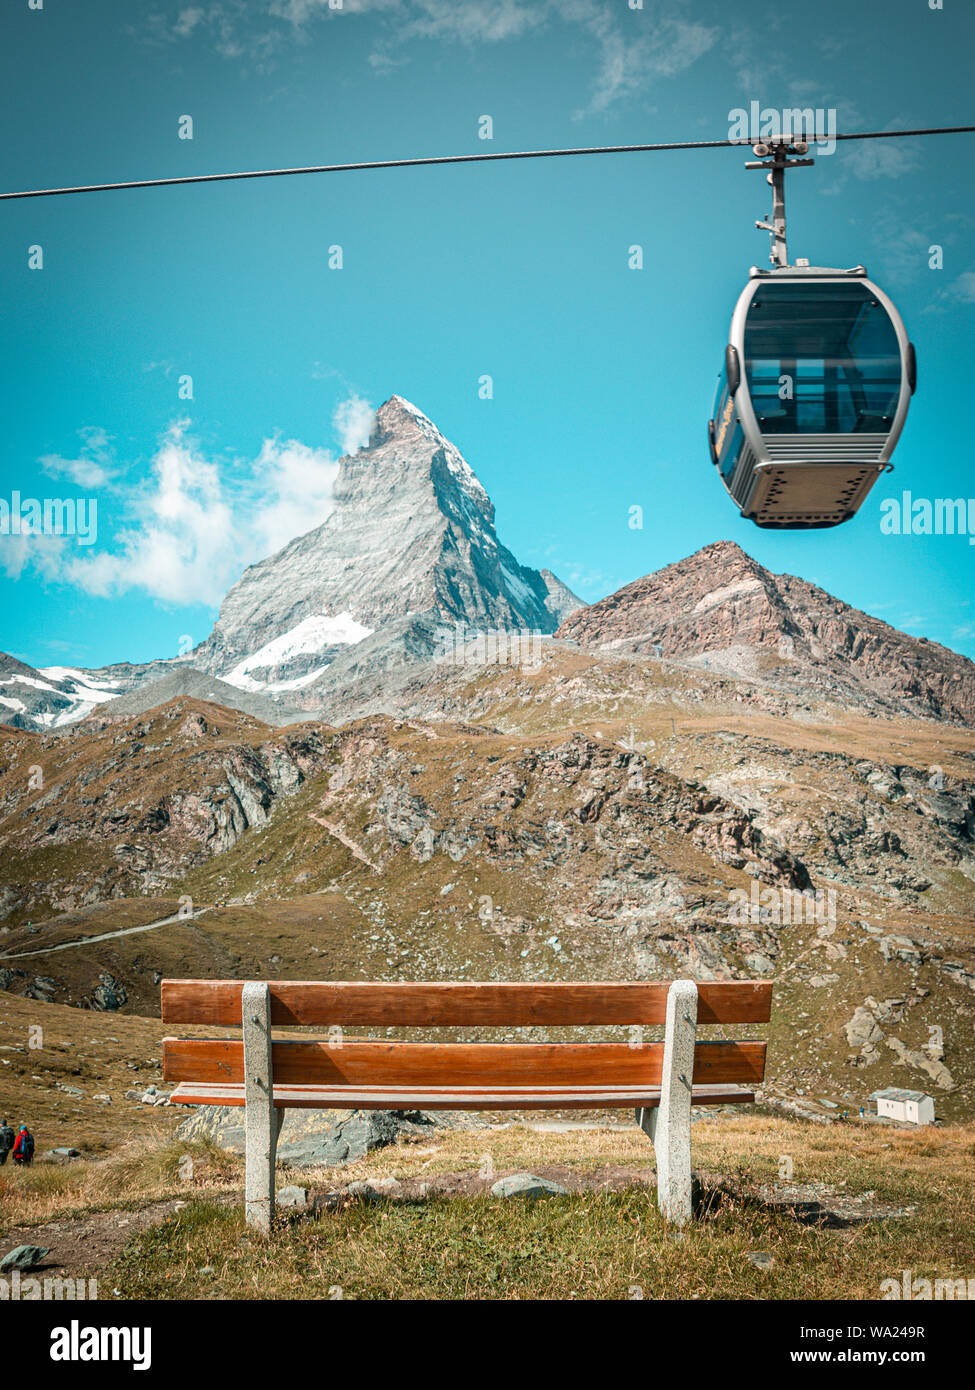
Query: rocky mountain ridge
721, 609
51, 697
354, 616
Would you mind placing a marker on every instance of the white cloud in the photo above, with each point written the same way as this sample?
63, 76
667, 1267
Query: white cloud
167, 368
882, 159
903, 247
43, 553
193, 524
577, 577
181, 546
299, 12
872, 159
632, 66
353, 423
187, 20
960, 290
91, 469
964, 287
630, 56
472, 21
298, 494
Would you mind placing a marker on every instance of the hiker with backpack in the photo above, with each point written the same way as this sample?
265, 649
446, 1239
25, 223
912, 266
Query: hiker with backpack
24, 1147
6, 1142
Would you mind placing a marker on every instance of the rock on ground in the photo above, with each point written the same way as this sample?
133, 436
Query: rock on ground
527, 1185
23, 1257
292, 1196
331, 1137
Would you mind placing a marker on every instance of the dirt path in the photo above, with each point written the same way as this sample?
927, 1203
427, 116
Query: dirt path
107, 935
344, 839
81, 1246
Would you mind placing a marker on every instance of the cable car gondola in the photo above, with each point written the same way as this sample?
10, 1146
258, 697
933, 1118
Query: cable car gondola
817, 379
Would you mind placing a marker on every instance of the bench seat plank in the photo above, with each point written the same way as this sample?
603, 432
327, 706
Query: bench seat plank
421, 1064
457, 1098
463, 1004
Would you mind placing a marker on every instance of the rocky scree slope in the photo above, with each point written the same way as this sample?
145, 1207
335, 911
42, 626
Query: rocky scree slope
123, 808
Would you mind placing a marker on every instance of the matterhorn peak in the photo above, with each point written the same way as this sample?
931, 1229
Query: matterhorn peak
398, 416
399, 406
411, 543
399, 421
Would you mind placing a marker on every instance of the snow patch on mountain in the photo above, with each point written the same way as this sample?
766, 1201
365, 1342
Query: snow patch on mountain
83, 681
31, 681
518, 588
307, 638
297, 682
84, 692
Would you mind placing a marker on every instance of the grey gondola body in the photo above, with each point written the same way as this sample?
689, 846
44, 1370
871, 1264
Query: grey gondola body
812, 397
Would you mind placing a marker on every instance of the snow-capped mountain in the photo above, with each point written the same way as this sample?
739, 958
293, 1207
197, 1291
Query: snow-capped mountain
411, 539
409, 552
50, 697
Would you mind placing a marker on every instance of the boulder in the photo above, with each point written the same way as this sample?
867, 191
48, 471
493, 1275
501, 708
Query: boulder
108, 995
922, 1061
331, 1137
374, 1190
23, 1257
760, 963
527, 1185
862, 1029
291, 1196
895, 947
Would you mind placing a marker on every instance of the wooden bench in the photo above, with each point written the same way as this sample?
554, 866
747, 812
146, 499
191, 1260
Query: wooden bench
661, 1080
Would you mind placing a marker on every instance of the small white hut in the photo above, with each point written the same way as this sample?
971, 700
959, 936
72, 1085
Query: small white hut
912, 1107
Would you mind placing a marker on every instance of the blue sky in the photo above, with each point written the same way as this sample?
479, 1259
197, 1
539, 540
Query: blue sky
603, 376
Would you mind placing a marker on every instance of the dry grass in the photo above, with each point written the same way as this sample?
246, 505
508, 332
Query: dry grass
140, 1172
592, 1245
44, 1047
595, 1245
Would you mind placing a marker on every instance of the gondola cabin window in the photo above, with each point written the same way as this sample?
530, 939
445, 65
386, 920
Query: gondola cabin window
821, 359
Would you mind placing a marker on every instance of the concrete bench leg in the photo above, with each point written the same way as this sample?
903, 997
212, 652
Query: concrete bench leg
262, 1121
669, 1124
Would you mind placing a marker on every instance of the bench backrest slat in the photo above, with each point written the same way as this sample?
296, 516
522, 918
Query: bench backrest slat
449, 1004
373, 1063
